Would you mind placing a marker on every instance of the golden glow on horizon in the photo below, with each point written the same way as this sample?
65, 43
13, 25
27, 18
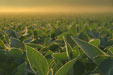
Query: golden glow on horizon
78, 9
56, 6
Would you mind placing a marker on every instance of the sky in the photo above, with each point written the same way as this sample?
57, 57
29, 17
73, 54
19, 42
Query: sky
56, 5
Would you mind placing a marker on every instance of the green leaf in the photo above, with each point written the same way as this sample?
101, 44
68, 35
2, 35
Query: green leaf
21, 69
111, 50
75, 54
79, 68
68, 49
17, 43
2, 45
56, 66
6, 38
51, 72
84, 36
100, 59
37, 61
106, 67
60, 56
12, 33
73, 29
95, 42
60, 37
65, 68
16, 53
34, 45
90, 50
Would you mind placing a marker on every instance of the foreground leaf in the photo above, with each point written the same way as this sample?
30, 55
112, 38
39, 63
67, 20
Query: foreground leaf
21, 69
106, 67
37, 61
90, 50
65, 68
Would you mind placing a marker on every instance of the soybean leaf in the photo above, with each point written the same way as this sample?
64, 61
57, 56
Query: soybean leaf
90, 50
68, 49
65, 68
12, 33
16, 53
21, 69
37, 61
95, 42
17, 43
51, 72
36, 46
73, 29
111, 50
60, 56
2, 45
106, 67
83, 36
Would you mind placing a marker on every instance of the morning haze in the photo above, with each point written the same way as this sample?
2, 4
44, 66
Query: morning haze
55, 6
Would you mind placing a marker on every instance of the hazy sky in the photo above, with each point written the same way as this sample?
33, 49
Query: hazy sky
29, 3
51, 4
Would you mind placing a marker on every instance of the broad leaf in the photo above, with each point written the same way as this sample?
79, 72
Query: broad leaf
95, 42
106, 67
16, 43
21, 69
90, 50
37, 61
16, 53
65, 68
60, 56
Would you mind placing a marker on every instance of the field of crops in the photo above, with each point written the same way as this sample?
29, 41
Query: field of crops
56, 45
